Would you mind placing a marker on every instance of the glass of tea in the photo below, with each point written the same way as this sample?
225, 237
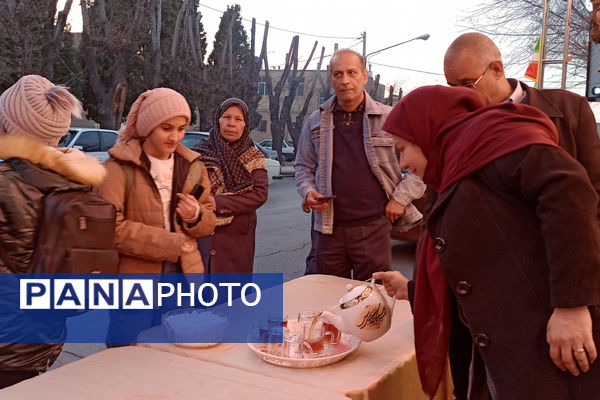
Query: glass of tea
314, 334
336, 334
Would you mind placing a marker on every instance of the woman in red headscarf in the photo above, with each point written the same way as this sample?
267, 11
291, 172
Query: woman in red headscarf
512, 238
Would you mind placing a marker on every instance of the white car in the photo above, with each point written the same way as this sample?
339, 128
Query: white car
92, 141
287, 150
273, 166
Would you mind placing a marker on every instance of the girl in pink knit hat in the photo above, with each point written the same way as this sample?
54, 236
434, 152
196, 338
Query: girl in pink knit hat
160, 189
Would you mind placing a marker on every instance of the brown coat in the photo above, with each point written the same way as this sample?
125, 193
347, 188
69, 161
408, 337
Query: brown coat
140, 236
576, 126
516, 239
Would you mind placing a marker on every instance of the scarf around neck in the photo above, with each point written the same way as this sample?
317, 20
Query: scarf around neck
458, 135
230, 164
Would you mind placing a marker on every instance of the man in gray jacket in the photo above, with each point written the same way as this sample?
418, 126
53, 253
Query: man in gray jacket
355, 186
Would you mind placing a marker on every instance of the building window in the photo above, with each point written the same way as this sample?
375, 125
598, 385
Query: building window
262, 88
262, 125
300, 90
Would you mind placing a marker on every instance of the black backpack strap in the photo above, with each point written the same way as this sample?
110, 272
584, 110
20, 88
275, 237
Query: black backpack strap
128, 172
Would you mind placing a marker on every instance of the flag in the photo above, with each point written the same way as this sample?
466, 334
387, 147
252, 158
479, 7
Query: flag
533, 68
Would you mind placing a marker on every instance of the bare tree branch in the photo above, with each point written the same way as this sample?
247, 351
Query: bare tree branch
517, 24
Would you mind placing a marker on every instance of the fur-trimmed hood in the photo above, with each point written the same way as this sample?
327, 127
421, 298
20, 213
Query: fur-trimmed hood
70, 163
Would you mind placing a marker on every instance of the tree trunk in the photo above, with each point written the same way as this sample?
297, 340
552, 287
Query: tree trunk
176, 35
109, 113
296, 128
390, 100
156, 23
277, 127
54, 31
295, 80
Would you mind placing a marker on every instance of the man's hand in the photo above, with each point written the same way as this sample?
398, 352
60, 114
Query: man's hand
394, 283
305, 206
315, 201
569, 334
394, 210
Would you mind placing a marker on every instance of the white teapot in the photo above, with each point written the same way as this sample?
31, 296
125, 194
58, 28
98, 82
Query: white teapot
363, 312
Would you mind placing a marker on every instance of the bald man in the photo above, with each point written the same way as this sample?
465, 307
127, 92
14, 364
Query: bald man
474, 61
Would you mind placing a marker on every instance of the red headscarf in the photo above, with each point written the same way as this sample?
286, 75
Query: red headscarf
458, 135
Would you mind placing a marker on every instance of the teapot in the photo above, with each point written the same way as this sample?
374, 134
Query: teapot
363, 311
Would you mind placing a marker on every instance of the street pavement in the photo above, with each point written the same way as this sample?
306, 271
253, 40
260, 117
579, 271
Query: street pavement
282, 244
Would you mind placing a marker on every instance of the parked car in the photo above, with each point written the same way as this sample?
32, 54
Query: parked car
273, 166
192, 137
94, 142
287, 149
268, 153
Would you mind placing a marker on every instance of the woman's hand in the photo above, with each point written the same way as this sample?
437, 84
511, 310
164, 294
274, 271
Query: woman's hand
189, 246
186, 206
569, 334
394, 283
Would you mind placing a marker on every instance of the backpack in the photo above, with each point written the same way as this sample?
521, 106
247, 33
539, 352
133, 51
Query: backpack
75, 235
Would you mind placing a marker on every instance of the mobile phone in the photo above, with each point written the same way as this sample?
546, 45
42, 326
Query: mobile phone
197, 190
323, 199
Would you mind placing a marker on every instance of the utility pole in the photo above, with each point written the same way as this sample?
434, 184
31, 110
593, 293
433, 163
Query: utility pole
364, 39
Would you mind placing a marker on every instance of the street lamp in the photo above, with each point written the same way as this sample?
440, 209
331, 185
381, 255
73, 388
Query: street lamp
422, 37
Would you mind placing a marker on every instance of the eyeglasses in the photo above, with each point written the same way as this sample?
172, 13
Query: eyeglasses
473, 85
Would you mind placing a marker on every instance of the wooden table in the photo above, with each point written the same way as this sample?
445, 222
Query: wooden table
382, 369
138, 373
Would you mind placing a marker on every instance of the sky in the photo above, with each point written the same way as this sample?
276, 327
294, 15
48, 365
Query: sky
386, 22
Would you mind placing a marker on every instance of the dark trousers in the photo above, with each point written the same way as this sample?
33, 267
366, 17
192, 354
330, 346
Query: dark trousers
358, 250
466, 365
460, 354
311, 259
9, 378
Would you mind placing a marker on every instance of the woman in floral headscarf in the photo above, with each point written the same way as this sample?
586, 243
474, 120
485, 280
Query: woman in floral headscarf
239, 183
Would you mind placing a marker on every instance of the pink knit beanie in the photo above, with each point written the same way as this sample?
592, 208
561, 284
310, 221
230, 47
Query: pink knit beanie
152, 108
36, 108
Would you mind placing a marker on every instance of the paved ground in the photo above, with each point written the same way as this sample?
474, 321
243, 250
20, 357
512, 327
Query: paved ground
282, 243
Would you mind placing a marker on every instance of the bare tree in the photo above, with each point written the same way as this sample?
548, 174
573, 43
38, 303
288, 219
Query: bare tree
294, 82
54, 28
31, 34
186, 67
274, 93
517, 24
295, 128
251, 96
280, 113
107, 49
155, 28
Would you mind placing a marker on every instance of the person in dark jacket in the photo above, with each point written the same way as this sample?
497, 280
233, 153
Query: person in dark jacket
512, 238
239, 183
34, 115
